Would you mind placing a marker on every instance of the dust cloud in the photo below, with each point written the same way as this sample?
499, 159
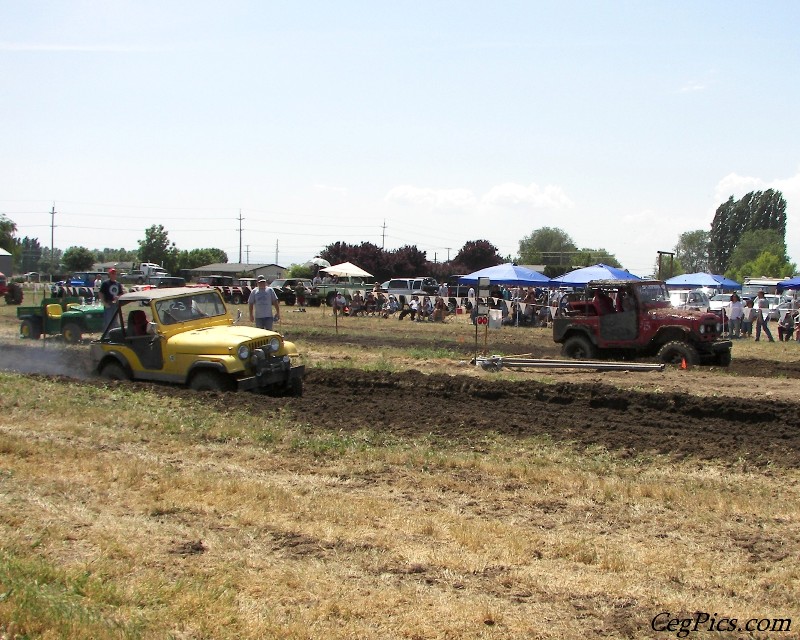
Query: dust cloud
45, 357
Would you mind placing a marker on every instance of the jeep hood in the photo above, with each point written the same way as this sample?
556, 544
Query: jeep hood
667, 313
218, 339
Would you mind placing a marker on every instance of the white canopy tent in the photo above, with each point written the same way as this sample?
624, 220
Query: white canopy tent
346, 270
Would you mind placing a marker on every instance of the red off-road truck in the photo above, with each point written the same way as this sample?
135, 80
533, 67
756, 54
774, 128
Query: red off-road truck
11, 291
634, 318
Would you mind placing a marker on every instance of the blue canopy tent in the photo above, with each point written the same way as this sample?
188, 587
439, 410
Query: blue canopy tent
584, 275
701, 279
791, 283
508, 273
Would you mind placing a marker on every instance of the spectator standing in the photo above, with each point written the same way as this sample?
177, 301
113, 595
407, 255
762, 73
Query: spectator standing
735, 316
786, 325
300, 294
444, 292
261, 302
110, 291
98, 282
762, 317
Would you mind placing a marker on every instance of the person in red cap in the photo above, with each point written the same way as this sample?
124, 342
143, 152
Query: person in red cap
110, 291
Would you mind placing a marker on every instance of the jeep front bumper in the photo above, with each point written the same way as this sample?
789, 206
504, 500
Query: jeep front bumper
272, 373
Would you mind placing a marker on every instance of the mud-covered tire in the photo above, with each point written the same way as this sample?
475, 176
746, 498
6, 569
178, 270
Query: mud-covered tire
723, 358
677, 351
579, 348
208, 380
72, 333
296, 387
30, 330
114, 371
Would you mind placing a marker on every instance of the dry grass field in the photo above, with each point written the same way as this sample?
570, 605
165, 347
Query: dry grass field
406, 495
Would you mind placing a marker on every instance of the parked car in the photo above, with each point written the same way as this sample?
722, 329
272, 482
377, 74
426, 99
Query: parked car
696, 299
717, 302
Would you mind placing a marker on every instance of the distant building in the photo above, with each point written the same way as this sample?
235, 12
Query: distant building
6, 263
269, 271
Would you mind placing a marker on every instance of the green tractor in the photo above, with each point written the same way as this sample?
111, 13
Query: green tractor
66, 316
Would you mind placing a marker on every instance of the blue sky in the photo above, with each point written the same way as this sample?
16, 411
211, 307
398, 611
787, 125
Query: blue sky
427, 123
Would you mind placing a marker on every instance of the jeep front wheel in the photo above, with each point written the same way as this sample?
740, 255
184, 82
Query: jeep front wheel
579, 348
677, 352
724, 358
210, 381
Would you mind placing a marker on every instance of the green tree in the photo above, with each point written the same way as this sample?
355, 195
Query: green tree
157, 248
115, 255
754, 243
477, 254
767, 264
78, 259
692, 251
30, 254
756, 210
8, 229
50, 262
200, 258
548, 246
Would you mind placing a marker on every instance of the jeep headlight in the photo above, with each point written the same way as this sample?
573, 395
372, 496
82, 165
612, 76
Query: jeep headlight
243, 352
274, 344
719, 327
702, 329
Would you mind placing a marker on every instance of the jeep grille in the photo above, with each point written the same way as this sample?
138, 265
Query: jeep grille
259, 343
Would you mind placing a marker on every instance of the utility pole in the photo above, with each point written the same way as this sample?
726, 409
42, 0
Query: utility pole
448, 253
240, 236
276, 252
248, 254
383, 235
52, 240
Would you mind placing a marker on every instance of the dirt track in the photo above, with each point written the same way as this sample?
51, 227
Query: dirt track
746, 414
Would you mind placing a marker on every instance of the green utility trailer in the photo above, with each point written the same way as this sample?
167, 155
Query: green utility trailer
66, 316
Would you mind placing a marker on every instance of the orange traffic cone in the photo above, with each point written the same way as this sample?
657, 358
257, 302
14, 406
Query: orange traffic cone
683, 363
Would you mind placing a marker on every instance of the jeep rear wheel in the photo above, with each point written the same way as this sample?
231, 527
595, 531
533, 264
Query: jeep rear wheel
210, 381
579, 348
71, 333
677, 352
114, 371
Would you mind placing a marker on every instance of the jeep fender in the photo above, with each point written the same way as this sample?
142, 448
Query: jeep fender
114, 356
205, 364
672, 334
561, 333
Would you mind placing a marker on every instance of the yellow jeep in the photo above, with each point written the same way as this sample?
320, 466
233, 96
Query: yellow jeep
186, 335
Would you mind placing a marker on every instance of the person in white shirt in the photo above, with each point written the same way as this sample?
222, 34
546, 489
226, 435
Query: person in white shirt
735, 311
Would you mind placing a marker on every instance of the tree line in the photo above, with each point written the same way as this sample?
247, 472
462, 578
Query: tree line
747, 237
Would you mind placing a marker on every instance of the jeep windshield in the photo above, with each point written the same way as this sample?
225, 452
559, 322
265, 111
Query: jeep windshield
653, 293
190, 307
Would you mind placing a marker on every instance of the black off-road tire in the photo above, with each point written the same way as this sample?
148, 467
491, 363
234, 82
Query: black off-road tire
208, 380
236, 299
579, 348
723, 358
677, 351
296, 387
72, 333
114, 371
30, 329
